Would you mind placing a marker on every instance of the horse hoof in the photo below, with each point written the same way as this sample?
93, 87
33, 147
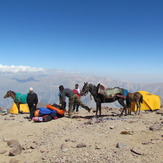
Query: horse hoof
88, 109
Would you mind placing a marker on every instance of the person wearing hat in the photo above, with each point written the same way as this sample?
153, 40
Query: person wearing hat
77, 91
73, 98
32, 101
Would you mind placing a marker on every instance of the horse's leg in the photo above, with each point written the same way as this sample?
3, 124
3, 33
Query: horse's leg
128, 104
122, 112
18, 106
98, 105
121, 101
100, 109
129, 109
137, 106
96, 108
140, 101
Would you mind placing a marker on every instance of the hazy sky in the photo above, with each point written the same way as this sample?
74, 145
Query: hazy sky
120, 39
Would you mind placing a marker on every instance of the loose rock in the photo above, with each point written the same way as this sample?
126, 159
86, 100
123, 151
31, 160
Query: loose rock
81, 145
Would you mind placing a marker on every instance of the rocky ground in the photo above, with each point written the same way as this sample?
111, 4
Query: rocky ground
131, 139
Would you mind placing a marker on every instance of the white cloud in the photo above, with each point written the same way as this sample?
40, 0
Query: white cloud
16, 69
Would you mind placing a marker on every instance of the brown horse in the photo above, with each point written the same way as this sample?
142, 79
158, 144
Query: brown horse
136, 98
17, 97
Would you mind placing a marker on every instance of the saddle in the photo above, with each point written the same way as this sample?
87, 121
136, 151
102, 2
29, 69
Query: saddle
109, 92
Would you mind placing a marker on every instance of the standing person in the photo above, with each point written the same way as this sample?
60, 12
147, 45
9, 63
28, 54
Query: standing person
62, 103
32, 101
77, 91
73, 98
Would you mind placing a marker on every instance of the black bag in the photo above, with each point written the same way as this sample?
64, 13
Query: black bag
47, 118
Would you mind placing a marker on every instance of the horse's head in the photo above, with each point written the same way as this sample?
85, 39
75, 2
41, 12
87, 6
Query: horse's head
85, 89
9, 94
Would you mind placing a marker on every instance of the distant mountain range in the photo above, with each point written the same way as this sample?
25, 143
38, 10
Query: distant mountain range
46, 86
30, 79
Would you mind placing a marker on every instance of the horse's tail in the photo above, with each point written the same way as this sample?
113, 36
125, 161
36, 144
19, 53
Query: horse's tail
141, 99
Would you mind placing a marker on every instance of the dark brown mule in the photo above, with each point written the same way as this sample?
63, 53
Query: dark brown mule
137, 98
99, 99
12, 94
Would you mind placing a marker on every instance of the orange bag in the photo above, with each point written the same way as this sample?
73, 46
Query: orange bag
59, 111
36, 113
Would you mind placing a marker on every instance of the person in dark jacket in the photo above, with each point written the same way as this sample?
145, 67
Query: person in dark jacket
73, 98
32, 101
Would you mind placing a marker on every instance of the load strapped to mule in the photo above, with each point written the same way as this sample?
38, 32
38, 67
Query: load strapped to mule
21, 98
111, 92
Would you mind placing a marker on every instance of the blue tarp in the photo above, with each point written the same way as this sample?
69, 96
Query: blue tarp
45, 111
125, 92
